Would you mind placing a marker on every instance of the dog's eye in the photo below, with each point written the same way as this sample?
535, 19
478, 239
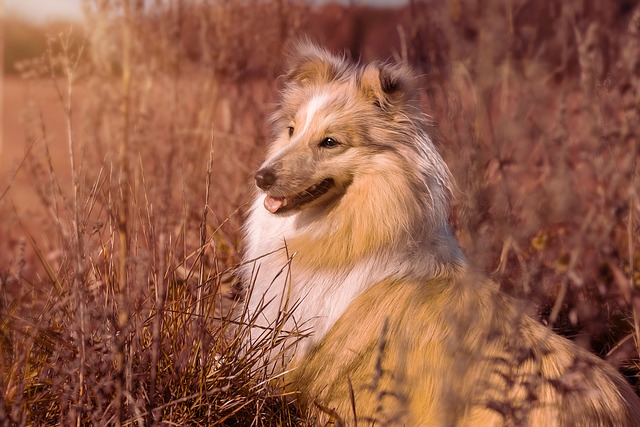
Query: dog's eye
329, 143
290, 129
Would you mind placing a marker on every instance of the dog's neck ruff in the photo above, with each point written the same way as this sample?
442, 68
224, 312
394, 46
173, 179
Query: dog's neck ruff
286, 257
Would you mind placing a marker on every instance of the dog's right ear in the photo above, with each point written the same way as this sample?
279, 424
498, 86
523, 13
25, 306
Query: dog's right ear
308, 63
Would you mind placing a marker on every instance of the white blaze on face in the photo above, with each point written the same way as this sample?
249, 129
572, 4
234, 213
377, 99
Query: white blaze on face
309, 111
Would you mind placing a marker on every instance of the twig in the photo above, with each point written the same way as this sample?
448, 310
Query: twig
157, 327
80, 270
15, 173
123, 185
339, 422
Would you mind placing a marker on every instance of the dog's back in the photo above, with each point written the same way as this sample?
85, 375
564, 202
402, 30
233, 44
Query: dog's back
453, 351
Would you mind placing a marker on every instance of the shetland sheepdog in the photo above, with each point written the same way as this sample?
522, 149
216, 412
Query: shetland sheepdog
349, 234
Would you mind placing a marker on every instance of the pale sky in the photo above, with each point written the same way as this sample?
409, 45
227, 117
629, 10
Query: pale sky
43, 10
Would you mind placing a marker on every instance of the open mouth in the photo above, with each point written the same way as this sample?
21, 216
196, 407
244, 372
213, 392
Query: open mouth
280, 204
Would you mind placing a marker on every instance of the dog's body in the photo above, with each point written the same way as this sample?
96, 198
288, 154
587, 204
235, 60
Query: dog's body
352, 230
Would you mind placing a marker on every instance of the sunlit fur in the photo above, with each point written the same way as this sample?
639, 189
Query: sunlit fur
396, 316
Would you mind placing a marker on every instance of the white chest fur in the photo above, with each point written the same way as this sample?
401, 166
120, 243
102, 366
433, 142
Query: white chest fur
319, 296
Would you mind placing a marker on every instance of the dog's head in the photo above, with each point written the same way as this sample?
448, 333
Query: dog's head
336, 121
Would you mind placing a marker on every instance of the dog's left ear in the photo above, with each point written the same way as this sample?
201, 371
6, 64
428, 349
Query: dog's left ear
389, 85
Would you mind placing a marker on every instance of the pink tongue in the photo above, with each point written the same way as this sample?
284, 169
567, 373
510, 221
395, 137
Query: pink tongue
272, 204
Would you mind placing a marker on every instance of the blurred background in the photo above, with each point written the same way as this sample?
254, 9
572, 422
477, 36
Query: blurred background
131, 130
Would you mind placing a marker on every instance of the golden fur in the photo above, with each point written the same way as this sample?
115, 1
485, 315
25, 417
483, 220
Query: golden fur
351, 229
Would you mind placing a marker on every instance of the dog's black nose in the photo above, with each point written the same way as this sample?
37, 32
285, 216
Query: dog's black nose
265, 178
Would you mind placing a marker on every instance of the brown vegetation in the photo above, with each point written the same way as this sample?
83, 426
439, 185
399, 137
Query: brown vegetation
114, 274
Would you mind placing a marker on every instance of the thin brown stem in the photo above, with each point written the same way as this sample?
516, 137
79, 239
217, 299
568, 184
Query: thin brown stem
123, 237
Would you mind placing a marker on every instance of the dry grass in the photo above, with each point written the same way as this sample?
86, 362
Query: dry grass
114, 295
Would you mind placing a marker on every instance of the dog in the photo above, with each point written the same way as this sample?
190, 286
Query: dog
349, 234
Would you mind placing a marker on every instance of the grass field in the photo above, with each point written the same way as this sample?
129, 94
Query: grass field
127, 157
